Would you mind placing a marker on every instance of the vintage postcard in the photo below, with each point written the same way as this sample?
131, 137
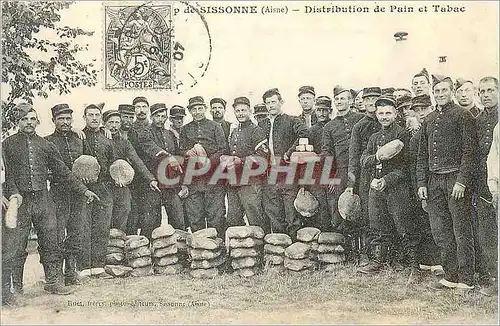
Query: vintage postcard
250, 162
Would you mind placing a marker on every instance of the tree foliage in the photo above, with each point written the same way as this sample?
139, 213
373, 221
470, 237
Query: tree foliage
29, 74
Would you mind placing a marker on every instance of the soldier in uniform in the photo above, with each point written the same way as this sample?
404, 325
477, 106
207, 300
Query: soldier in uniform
176, 117
322, 220
358, 102
358, 178
487, 219
97, 216
261, 114
306, 100
420, 83
28, 158
336, 138
464, 93
138, 187
445, 164
283, 133
68, 204
388, 91
205, 204
158, 143
245, 143
127, 116
124, 150
403, 106
428, 251
389, 192
217, 110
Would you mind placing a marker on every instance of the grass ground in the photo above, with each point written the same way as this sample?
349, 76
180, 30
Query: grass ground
340, 297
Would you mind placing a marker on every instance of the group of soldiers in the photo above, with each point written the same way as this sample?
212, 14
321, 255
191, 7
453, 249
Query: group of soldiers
432, 206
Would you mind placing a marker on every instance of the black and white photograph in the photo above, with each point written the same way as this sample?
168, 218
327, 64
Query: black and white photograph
249, 162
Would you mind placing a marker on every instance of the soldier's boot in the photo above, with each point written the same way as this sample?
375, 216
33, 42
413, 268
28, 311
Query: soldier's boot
410, 248
364, 249
6, 284
378, 262
17, 278
70, 273
54, 279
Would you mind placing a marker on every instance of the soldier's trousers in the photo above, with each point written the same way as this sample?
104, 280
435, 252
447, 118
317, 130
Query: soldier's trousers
428, 251
339, 224
388, 211
205, 207
279, 209
122, 205
487, 234
36, 208
246, 200
96, 225
68, 209
322, 219
137, 203
168, 198
452, 227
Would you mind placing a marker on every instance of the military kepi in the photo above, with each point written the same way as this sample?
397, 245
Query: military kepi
421, 101
197, 100
307, 89
177, 111
371, 91
157, 107
218, 100
324, 102
241, 100
59, 109
140, 99
126, 109
387, 100
110, 113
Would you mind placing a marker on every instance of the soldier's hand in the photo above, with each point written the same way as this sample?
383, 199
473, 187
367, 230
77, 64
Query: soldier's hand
79, 133
237, 160
349, 189
154, 185
107, 134
458, 191
119, 184
85, 180
381, 184
191, 152
184, 191
91, 196
494, 200
422, 193
5, 203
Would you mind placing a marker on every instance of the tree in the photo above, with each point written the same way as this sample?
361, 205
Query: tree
23, 70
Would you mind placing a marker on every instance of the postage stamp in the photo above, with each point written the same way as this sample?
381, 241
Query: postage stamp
145, 46
138, 47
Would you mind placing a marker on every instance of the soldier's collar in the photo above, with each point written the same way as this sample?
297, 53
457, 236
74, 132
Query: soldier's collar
491, 109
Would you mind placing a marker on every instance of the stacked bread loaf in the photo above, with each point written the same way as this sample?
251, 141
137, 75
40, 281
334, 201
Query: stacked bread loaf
164, 247
274, 250
115, 257
297, 258
245, 249
330, 250
206, 253
138, 255
116, 245
309, 236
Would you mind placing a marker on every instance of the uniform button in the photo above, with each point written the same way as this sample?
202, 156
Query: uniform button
435, 142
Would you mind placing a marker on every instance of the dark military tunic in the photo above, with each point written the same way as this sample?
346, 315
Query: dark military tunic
245, 198
446, 156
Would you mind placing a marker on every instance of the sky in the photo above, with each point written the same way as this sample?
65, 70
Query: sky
252, 53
